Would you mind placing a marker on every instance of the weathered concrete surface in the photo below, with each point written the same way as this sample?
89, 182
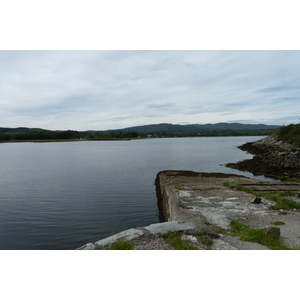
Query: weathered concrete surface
196, 203
202, 199
161, 228
126, 235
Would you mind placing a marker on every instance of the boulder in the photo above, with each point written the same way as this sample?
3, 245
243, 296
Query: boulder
89, 246
164, 227
254, 199
126, 235
272, 231
190, 238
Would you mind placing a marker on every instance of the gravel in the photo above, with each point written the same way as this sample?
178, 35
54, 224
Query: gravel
151, 242
147, 241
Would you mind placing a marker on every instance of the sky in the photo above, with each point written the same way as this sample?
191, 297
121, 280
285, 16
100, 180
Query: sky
112, 89
115, 64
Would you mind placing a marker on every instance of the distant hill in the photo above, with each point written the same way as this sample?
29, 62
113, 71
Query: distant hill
193, 130
19, 129
165, 127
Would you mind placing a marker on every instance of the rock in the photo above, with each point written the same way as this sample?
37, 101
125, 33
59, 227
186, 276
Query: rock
221, 245
272, 231
126, 235
255, 199
190, 238
161, 228
89, 246
150, 231
271, 157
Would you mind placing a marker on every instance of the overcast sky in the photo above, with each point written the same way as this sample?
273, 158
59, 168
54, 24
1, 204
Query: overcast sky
101, 90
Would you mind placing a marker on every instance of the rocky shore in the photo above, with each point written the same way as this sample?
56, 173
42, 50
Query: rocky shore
272, 158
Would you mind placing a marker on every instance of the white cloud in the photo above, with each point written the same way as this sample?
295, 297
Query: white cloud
115, 89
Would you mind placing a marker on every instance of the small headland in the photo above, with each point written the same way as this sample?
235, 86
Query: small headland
273, 158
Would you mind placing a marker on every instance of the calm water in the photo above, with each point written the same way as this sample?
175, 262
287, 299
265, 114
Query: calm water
63, 195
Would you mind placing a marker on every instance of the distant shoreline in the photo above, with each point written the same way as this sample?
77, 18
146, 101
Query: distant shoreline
61, 141
111, 139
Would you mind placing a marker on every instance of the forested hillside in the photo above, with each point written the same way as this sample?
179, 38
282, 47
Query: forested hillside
165, 127
171, 130
36, 134
156, 130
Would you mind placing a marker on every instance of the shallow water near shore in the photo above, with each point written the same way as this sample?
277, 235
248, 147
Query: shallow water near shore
64, 195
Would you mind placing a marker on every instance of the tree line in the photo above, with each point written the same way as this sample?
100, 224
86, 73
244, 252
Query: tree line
64, 135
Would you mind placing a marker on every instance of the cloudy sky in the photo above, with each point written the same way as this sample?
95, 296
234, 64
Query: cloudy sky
101, 90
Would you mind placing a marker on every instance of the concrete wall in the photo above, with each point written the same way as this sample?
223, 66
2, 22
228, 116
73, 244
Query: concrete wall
168, 200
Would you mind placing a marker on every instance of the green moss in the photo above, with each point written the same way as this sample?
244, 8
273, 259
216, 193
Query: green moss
278, 223
179, 186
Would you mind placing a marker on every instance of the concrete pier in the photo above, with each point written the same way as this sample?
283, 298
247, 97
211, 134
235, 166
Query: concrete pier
204, 200
203, 204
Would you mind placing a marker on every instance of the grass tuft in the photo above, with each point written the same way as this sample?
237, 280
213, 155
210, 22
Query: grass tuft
249, 234
278, 223
279, 197
177, 242
121, 245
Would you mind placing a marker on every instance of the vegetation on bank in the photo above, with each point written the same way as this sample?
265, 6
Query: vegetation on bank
289, 134
179, 243
246, 233
41, 134
279, 197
